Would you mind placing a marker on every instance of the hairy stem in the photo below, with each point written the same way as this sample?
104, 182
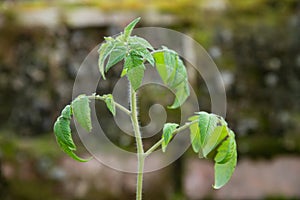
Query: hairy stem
139, 143
141, 155
157, 144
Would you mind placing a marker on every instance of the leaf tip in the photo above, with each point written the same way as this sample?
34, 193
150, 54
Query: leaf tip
216, 187
77, 158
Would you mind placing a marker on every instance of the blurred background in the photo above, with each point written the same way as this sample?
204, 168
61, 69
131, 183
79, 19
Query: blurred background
255, 44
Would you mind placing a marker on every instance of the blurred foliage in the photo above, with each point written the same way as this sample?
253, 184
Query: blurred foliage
11, 146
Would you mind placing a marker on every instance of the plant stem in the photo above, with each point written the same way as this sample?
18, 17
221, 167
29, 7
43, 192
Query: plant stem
154, 147
98, 97
141, 155
139, 143
123, 108
157, 144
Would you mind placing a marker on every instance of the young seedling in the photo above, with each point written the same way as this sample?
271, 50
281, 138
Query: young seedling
209, 134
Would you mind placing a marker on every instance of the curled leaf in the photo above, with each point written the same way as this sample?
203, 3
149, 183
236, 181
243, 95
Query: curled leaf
63, 134
173, 73
82, 112
224, 170
226, 149
207, 124
213, 139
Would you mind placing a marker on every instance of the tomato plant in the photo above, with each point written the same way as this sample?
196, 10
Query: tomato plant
209, 133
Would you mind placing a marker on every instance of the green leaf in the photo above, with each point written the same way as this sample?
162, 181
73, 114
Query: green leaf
207, 124
67, 112
144, 54
139, 42
181, 94
195, 134
214, 139
82, 112
116, 55
110, 103
134, 68
62, 132
167, 135
133, 60
204, 120
104, 50
135, 76
173, 73
128, 29
148, 57
63, 135
160, 65
71, 153
211, 138
226, 149
224, 171
109, 39
124, 72
140, 46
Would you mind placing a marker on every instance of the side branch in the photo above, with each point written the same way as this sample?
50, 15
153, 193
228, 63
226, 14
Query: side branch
157, 144
123, 108
119, 106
